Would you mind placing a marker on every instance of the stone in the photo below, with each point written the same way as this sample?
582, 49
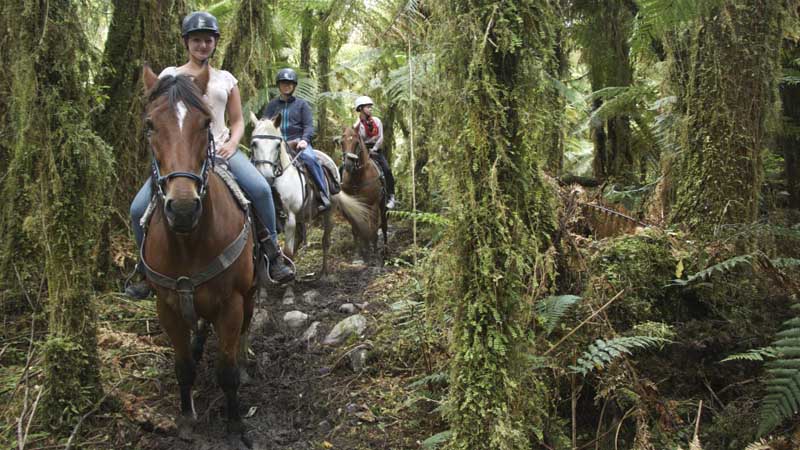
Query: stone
295, 319
353, 325
358, 359
310, 333
311, 297
259, 320
347, 308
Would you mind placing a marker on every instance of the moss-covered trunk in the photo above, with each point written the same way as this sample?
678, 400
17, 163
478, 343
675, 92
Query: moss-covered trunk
322, 141
604, 35
248, 53
55, 193
495, 59
789, 137
141, 31
727, 106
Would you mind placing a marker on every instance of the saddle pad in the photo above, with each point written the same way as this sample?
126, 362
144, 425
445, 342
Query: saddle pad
233, 185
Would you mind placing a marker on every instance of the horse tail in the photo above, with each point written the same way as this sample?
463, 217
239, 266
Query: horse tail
356, 212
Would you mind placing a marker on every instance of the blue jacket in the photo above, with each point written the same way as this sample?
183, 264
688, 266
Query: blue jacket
296, 122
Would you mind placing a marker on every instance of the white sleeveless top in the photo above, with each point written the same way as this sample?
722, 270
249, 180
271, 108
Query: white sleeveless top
220, 84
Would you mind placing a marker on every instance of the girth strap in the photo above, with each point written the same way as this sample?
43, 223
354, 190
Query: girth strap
185, 285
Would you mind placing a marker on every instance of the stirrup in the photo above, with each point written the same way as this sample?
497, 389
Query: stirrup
287, 259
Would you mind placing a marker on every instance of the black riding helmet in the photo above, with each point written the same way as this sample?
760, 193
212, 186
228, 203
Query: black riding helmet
199, 21
286, 74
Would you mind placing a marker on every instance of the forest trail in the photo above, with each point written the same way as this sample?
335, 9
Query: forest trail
302, 394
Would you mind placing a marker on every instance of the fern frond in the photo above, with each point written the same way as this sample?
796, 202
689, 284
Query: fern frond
601, 353
437, 439
438, 378
723, 267
756, 354
761, 444
551, 309
429, 218
783, 385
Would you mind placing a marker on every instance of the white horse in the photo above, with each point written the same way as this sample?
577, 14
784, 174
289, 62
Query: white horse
298, 194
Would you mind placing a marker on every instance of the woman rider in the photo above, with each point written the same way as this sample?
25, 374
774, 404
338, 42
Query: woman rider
200, 32
297, 125
371, 130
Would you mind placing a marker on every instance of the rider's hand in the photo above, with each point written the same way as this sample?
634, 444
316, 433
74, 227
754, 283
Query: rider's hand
226, 150
302, 144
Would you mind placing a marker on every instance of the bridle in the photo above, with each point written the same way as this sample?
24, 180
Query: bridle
355, 156
277, 169
159, 181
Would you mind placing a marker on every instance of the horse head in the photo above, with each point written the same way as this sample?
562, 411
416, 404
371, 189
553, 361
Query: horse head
177, 125
269, 152
354, 152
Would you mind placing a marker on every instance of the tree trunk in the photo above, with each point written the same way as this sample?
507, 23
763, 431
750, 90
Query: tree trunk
789, 138
248, 53
604, 35
503, 211
322, 141
306, 32
141, 31
57, 186
720, 171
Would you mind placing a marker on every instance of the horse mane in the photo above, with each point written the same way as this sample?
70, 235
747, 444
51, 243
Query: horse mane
179, 88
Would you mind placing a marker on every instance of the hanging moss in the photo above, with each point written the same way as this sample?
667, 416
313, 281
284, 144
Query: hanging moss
247, 51
730, 95
494, 61
55, 193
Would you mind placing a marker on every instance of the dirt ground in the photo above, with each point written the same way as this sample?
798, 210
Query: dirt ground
302, 394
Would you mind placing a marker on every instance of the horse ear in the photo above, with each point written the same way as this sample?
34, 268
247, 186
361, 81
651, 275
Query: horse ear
253, 119
149, 78
277, 120
201, 80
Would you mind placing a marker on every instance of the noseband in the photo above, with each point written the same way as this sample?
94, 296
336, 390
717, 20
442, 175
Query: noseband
277, 169
159, 181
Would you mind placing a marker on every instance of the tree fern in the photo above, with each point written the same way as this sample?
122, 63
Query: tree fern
783, 386
550, 310
602, 352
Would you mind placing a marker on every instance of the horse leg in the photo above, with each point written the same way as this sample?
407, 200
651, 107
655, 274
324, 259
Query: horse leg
290, 235
199, 340
179, 335
229, 327
327, 225
244, 337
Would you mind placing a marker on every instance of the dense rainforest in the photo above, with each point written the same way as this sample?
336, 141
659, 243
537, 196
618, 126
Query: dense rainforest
596, 242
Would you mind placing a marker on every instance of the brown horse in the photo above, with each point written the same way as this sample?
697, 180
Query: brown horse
198, 251
362, 179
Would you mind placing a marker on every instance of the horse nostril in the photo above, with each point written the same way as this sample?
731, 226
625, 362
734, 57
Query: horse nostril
197, 205
168, 205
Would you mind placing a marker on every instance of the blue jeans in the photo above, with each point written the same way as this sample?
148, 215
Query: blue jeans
314, 168
251, 181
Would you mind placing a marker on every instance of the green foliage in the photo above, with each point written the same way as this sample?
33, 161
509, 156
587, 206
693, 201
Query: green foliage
437, 439
756, 354
782, 400
720, 268
550, 310
603, 352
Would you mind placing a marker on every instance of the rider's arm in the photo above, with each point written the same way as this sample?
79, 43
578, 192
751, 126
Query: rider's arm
379, 142
308, 123
235, 119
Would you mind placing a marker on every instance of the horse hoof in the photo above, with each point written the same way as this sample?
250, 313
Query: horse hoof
186, 428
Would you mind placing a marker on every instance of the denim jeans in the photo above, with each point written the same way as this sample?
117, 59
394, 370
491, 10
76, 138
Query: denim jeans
251, 181
314, 168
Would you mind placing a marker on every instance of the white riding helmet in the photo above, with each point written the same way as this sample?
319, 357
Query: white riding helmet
363, 101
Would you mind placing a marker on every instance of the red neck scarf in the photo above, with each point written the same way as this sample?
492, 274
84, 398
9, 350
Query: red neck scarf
370, 127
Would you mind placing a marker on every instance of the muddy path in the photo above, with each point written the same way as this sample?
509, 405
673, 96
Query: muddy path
302, 393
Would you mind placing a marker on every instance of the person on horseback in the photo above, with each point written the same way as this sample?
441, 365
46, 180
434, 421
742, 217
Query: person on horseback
297, 127
200, 32
371, 130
